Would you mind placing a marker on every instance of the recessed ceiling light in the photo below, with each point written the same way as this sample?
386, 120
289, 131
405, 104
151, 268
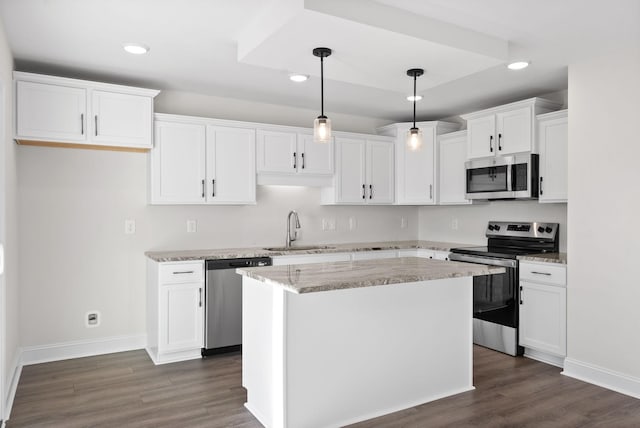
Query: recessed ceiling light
296, 77
417, 98
136, 48
518, 65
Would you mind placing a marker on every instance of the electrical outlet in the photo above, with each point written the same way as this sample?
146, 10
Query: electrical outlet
328, 224
192, 226
403, 223
129, 227
92, 319
353, 223
454, 224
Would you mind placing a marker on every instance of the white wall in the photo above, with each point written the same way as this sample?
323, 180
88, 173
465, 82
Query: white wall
604, 239
8, 226
435, 222
75, 256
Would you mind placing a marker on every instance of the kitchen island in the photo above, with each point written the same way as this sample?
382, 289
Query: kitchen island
336, 343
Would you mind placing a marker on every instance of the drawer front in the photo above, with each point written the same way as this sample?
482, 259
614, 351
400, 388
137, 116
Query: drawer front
173, 273
544, 273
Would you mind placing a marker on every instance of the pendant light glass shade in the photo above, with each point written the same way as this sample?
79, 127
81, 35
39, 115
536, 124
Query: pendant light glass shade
414, 139
322, 124
414, 136
322, 130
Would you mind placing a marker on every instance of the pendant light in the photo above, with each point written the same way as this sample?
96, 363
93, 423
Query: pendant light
322, 124
414, 136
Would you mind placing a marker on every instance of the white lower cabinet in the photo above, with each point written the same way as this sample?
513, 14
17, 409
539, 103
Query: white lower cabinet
543, 311
175, 311
310, 258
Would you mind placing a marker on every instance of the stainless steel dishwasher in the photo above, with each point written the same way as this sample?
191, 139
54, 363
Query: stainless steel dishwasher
223, 304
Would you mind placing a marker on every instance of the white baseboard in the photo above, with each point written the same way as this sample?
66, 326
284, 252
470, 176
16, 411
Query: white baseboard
600, 376
543, 357
14, 371
81, 348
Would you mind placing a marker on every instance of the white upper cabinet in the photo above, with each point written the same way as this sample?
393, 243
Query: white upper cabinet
506, 129
59, 111
364, 172
178, 163
553, 142
292, 157
196, 161
452, 151
415, 170
121, 119
231, 169
51, 111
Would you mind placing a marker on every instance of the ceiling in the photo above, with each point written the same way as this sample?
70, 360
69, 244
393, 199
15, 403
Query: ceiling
245, 49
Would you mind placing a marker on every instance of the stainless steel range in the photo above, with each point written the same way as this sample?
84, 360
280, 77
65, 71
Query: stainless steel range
496, 297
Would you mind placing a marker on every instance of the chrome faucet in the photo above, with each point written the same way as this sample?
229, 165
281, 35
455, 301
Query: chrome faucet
290, 237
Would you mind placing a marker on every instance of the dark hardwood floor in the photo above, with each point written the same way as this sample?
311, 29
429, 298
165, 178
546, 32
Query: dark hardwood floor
127, 390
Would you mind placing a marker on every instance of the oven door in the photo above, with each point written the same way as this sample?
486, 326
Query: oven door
495, 297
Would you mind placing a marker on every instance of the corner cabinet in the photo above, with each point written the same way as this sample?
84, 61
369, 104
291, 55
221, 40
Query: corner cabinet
364, 172
415, 170
175, 311
195, 161
506, 129
553, 144
543, 311
452, 152
65, 112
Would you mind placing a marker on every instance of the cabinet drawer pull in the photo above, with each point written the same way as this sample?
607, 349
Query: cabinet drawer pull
295, 161
540, 273
491, 143
213, 187
302, 160
96, 120
363, 192
82, 124
499, 141
182, 272
370, 191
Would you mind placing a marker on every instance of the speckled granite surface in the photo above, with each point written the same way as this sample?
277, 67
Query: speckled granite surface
232, 253
310, 278
559, 258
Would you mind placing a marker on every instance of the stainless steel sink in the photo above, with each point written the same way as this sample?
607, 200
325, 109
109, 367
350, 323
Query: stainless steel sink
300, 248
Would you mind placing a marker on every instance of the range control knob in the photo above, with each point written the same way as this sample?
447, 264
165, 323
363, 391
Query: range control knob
540, 229
548, 229
496, 227
491, 227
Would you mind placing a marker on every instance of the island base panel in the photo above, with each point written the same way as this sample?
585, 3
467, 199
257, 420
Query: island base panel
339, 357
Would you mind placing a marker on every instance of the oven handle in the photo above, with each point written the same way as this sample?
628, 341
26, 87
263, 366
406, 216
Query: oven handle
455, 257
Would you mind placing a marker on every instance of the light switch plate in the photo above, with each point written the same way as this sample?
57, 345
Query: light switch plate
353, 223
129, 226
403, 223
192, 226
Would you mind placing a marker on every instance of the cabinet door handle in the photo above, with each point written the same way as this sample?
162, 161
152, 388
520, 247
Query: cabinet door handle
499, 141
541, 273
295, 161
541, 191
302, 160
364, 192
203, 188
430, 191
491, 143
82, 124
213, 187
200, 296
520, 294
96, 127
182, 272
370, 191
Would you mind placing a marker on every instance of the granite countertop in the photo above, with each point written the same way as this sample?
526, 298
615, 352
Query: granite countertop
310, 278
232, 253
559, 258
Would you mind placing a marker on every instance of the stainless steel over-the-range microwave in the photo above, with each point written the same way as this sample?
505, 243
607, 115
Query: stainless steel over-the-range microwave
503, 177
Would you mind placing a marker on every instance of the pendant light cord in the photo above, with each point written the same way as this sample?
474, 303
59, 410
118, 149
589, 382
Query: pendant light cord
322, 85
415, 77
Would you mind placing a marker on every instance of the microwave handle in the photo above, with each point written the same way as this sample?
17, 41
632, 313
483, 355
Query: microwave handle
510, 177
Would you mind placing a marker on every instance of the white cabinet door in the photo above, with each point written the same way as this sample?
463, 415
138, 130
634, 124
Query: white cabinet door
231, 168
121, 119
452, 174
481, 137
543, 317
514, 131
178, 164
379, 172
276, 151
553, 141
350, 170
441, 255
415, 170
51, 112
181, 317
314, 158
